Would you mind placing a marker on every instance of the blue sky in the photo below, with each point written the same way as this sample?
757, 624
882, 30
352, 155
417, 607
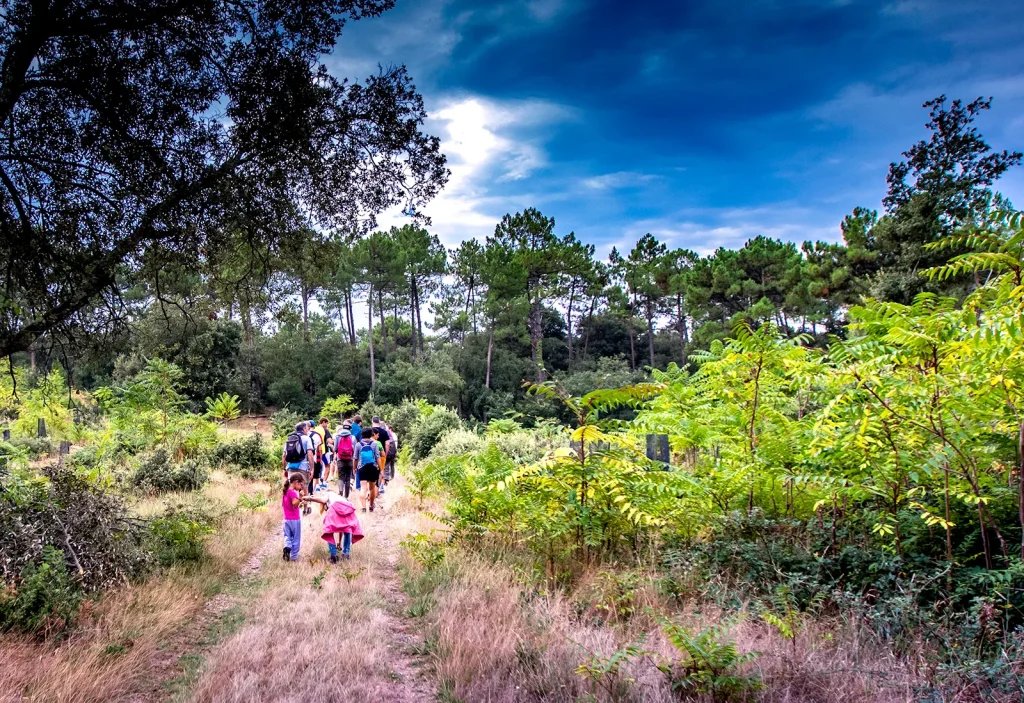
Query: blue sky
705, 123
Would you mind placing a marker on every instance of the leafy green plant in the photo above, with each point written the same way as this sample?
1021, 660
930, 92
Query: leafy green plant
430, 429
156, 472
224, 407
709, 665
255, 501
248, 457
178, 536
608, 674
46, 597
335, 408
425, 549
318, 580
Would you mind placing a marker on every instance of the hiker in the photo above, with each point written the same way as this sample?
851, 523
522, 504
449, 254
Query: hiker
317, 440
297, 456
344, 451
341, 526
357, 434
369, 471
290, 502
330, 463
390, 451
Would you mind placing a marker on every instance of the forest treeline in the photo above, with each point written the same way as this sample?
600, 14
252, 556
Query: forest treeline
527, 301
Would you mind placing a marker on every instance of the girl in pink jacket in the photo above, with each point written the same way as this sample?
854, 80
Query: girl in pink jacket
340, 523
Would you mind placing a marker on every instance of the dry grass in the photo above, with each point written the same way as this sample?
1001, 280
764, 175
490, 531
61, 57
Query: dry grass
495, 639
327, 642
117, 646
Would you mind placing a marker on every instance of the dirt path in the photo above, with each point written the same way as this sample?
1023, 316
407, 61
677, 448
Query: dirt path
320, 632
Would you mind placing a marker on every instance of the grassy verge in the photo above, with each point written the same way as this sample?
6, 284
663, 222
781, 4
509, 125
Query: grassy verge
124, 639
494, 634
320, 631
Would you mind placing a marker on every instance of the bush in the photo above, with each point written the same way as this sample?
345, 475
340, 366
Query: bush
35, 446
156, 472
45, 597
428, 431
249, 457
179, 535
404, 417
284, 421
456, 443
67, 511
525, 446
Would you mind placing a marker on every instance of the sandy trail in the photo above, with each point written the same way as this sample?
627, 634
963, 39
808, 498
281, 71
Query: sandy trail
313, 631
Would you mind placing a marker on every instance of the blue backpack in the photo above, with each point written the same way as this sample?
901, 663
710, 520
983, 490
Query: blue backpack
365, 452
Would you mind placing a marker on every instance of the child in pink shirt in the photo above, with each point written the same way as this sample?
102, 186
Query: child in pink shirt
341, 526
290, 503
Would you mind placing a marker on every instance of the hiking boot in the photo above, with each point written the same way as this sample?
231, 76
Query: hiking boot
287, 554
346, 557
334, 558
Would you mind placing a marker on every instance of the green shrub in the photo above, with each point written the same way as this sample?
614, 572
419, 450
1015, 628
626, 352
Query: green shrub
456, 443
35, 446
428, 431
404, 417
525, 446
156, 472
179, 535
45, 597
249, 457
68, 510
283, 421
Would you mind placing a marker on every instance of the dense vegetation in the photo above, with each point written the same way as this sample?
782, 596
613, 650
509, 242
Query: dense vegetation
879, 477
197, 240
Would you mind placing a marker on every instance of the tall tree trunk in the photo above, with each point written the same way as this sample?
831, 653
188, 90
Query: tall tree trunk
681, 322
305, 311
650, 334
590, 323
412, 315
383, 329
568, 321
490, 347
351, 317
419, 320
632, 338
469, 297
394, 321
536, 324
369, 315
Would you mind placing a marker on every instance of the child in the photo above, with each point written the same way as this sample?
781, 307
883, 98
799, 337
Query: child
368, 456
290, 503
340, 523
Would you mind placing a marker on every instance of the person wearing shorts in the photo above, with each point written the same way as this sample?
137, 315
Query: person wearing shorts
368, 457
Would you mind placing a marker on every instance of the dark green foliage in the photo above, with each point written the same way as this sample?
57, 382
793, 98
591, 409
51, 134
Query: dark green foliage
46, 597
249, 457
36, 447
283, 422
429, 431
65, 511
178, 536
156, 472
403, 418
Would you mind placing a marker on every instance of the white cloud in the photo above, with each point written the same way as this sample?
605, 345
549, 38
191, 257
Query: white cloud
706, 229
619, 179
487, 142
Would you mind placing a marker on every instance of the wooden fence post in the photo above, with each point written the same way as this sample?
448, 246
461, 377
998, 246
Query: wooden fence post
41, 428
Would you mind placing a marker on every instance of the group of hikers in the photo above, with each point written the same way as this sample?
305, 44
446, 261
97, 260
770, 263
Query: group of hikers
313, 457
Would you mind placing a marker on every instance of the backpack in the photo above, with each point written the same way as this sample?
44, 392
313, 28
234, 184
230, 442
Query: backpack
393, 448
293, 451
366, 453
345, 448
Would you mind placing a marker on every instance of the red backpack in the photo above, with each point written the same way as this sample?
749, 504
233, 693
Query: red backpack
344, 447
